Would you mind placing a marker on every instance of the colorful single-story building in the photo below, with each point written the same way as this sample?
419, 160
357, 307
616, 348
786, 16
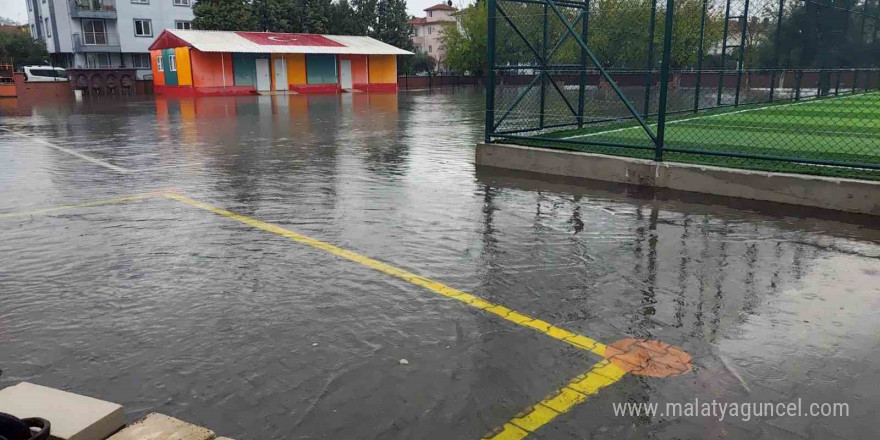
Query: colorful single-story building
194, 62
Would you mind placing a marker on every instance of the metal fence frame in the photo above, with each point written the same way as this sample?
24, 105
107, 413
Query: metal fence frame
578, 30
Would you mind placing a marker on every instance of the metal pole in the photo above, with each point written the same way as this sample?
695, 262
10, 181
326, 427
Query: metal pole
742, 51
799, 75
490, 87
777, 50
582, 88
544, 72
845, 33
700, 56
648, 76
865, 14
664, 79
723, 52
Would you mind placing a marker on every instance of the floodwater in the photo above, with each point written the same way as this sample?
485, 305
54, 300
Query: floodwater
164, 307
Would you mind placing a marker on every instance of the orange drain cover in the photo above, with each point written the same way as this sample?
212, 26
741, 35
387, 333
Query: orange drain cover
649, 358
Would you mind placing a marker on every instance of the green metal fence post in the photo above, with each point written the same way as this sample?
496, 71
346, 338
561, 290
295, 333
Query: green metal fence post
490, 87
776, 50
700, 54
723, 52
649, 76
799, 75
845, 32
664, 79
544, 73
742, 51
582, 87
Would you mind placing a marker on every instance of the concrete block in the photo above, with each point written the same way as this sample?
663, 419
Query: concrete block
851, 195
73, 417
161, 427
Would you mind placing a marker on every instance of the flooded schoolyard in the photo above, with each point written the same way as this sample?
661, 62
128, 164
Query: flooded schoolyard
279, 267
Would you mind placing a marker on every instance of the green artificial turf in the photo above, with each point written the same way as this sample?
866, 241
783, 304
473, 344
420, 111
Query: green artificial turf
842, 129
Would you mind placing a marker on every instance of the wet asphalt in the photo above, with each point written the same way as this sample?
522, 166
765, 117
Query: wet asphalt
165, 308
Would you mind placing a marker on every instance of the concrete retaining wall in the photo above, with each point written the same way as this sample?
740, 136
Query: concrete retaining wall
822, 192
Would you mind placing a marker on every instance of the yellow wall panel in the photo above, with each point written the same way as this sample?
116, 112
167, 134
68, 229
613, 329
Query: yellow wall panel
184, 68
383, 69
296, 68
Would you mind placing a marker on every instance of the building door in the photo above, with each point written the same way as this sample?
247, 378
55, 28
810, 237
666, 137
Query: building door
280, 74
345, 74
264, 82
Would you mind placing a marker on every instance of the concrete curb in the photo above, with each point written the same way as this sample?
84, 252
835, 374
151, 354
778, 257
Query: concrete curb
848, 195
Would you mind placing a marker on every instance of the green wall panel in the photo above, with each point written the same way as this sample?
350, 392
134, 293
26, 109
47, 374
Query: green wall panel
321, 69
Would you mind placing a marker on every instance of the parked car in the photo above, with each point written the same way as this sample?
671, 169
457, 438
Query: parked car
44, 74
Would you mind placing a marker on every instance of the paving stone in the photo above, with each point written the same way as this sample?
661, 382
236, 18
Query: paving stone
157, 426
73, 417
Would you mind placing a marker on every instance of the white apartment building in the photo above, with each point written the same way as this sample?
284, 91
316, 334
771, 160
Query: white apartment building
428, 36
104, 33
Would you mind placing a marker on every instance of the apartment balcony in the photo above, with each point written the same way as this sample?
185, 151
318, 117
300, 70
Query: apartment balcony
96, 42
105, 9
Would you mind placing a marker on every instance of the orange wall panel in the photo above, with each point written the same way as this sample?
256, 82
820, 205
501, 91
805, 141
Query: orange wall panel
158, 77
184, 68
296, 68
208, 69
383, 69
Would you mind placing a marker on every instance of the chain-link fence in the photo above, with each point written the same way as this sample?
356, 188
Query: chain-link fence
782, 85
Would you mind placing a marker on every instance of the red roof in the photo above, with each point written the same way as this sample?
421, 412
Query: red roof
442, 7
280, 39
417, 20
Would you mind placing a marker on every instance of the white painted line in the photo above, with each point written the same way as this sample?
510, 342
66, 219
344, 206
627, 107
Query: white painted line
70, 152
678, 121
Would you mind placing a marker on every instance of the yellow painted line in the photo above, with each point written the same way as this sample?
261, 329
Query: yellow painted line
85, 205
579, 341
560, 402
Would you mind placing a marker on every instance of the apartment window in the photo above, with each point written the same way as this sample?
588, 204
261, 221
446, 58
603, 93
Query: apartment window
140, 60
30, 5
34, 31
159, 65
430, 28
172, 63
143, 27
141, 2
430, 13
48, 28
181, 2
430, 49
183, 24
94, 32
97, 60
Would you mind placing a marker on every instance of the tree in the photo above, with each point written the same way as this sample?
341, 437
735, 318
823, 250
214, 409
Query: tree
365, 16
466, 45
278, 15
421, 62
391, 24
20, 49
317, 16
225, 15
343, 19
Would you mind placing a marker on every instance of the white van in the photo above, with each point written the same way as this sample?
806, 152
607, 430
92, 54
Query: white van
44, 74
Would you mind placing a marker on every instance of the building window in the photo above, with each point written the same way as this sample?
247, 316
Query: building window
430, 13
181, 2
430, 49
97, 60
140, 60
141, 2
94, 32
48, 28
159, 65
172, 63
143, 27
34, 31
430, 28
183, 24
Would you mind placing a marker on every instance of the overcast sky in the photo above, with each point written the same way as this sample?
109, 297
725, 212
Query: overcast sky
17, 9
